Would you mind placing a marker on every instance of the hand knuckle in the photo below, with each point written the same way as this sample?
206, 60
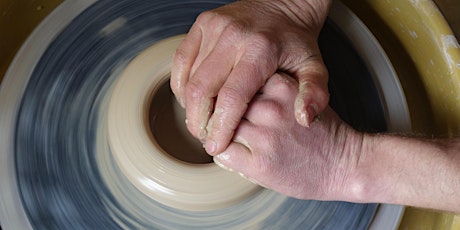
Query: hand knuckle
261, 39
195, 90
234, 27
205, 17
266, 164
277, 111
214, 18
232, 96
285, 85
272, 110
261, 50
180, 56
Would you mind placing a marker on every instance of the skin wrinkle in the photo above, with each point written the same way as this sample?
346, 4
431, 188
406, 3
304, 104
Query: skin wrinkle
289, 167
263, 163
273, 164
256, 48
349, 151
229, 102
358, 187
261, 8
258, 42
299, 166
230, 96
219, 23
289, 10
324, 173
234, 35
339, 165
318, 17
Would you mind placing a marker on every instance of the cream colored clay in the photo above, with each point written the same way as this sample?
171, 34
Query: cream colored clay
138, 151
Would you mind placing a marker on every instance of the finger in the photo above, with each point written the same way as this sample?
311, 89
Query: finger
195, 47
280, 84
238, 154
313, 96
231, 104
183, 60
212, 26
236, 157
204, 86
274, 100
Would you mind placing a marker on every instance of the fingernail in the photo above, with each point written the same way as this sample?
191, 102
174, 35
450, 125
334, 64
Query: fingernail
311, 110
202, 134
210, 146
300, 112
221, 165
303, 118
181, 101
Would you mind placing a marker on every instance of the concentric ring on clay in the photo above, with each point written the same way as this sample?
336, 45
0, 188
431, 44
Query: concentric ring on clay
57, 161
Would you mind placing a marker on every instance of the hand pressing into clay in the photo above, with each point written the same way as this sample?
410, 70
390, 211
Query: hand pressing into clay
230, 52
331, 161
271, 148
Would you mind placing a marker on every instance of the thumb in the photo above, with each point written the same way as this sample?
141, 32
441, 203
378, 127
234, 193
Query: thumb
237, 158
313, 96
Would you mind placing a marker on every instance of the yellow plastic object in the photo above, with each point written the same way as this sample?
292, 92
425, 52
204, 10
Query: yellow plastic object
410, 31
426, 56
435, 52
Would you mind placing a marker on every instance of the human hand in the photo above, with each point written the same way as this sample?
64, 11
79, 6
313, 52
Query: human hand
230, 52
272, 149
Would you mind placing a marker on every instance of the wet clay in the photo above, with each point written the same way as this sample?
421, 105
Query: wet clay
167, 123
152, 147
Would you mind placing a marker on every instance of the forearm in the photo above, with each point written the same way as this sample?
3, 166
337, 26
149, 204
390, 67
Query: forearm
409, 171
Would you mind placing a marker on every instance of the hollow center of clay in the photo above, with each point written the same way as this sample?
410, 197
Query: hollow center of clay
167, 124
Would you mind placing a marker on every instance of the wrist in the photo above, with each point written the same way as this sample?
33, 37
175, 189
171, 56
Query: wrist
362, 184
309, 14
408, 171
349, 145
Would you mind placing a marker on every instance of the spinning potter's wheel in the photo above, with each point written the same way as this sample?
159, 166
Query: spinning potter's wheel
66, 159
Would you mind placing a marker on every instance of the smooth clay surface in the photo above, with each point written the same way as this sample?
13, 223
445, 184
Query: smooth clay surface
167, 123
155, 172
61, 160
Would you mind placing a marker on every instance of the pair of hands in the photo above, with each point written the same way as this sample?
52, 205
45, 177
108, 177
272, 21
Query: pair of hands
230, 52
251, 78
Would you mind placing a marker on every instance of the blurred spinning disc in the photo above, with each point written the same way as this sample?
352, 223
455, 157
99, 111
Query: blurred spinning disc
60, 165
